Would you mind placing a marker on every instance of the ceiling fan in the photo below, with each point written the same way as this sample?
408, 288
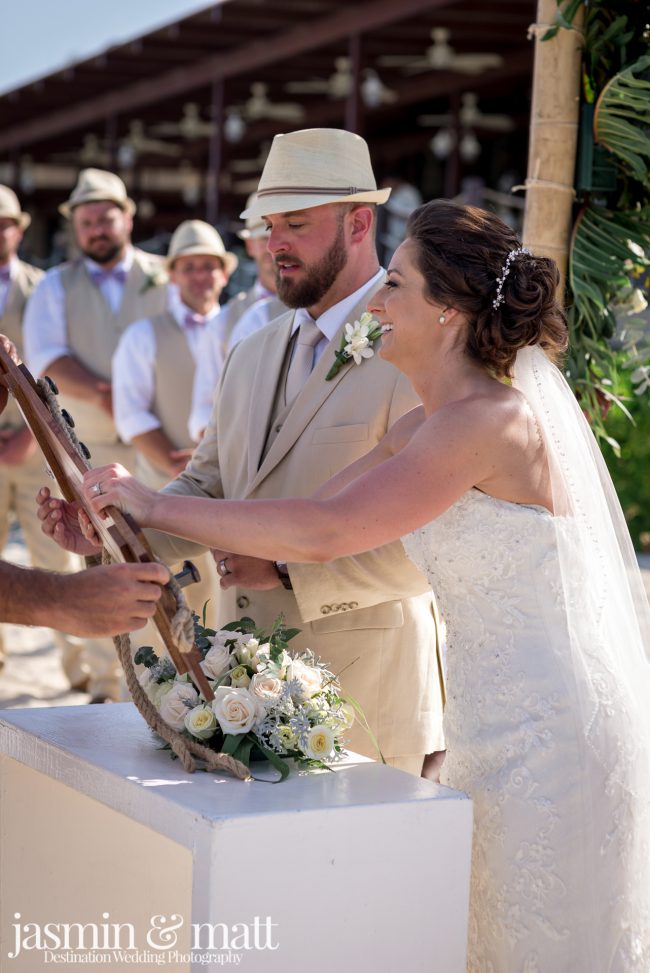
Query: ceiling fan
251, 165
337, 85
91, 153
190, 125
137, 142
259, 107
441, 56
470, 116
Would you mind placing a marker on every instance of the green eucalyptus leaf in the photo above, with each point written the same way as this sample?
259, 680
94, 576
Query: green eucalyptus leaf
145, 656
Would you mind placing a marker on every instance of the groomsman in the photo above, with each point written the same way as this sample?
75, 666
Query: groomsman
21, 462
244, 314
155, 365
73, 322
254, 236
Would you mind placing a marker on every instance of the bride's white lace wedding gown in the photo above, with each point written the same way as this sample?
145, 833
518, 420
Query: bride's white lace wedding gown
560, 856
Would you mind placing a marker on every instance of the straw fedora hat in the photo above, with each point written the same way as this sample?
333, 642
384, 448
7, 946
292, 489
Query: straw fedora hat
98, 186
197, 237
10, 208
255, 226
313, 167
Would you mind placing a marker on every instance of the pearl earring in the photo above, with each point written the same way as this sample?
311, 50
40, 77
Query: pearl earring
442, 319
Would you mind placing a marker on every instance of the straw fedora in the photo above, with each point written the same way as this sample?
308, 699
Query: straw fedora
195, 236
98, 186
255, 227
10, 208
313, 167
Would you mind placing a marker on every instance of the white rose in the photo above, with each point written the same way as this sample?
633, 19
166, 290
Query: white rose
236, 710
173, 705
217, 659
266, 686
246, 650
347, 715
261, 658
320, 742
201, 722
153, 690
157, 690
239, 677
308, 677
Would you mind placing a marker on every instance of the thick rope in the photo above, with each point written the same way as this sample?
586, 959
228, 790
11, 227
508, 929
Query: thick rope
182, 626
184, 747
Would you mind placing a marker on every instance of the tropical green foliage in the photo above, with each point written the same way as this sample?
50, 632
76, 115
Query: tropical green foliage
611, 235
630, 470
623, 116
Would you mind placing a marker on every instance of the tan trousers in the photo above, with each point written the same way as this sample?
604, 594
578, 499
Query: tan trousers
18, 488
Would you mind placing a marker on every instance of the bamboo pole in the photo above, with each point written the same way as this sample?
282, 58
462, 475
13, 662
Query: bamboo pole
553, 137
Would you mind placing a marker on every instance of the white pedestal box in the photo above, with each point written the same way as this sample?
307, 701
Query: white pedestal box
111, 856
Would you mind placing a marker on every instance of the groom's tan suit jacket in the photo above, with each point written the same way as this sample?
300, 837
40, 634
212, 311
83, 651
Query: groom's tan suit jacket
370, 617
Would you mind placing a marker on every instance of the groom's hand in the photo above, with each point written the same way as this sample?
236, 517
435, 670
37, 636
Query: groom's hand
247, 572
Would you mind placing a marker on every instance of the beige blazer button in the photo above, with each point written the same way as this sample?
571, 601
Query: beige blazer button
354, 604
325, 609
243, 601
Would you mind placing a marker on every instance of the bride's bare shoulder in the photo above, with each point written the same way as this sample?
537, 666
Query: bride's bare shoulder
493, 412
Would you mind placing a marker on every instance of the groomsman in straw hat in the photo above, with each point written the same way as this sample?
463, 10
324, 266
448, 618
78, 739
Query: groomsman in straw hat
253, 234
21, 462
73, 323
155, 365
244, 314
280, 428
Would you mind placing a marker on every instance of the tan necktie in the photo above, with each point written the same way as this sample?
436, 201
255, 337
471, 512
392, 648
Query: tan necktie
309, 334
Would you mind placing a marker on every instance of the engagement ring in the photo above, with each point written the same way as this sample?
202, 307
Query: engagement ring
222, 569
98, 489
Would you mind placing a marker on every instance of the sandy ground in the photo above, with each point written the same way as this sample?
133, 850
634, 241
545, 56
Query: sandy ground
32, 675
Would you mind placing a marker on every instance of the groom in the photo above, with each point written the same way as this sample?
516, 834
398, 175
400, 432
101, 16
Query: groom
280, 428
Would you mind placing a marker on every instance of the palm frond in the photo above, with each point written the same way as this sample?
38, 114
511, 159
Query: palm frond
622, 118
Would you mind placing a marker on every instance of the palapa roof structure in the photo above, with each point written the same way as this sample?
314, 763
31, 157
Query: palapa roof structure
185, 112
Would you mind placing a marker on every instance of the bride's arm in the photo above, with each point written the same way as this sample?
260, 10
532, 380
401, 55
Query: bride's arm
452, 450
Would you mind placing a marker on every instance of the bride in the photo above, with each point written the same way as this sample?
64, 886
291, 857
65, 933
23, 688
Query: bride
500, 495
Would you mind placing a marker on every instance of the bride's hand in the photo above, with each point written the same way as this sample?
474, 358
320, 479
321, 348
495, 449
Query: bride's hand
113, 486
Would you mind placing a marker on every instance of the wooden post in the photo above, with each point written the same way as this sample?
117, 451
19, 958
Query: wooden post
354, 104
553, 137
215, 153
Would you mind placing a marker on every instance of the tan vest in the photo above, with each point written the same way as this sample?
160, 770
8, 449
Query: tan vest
11, 324
172, 403
93, 331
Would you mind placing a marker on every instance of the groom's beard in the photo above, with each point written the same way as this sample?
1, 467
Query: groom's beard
317, 279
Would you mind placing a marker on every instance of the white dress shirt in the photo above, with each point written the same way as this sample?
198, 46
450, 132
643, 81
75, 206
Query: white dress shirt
133, 369
333, 319
5, 285
44, 330
255, 317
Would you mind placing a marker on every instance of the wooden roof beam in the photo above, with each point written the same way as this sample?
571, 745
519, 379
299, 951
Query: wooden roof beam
359, 18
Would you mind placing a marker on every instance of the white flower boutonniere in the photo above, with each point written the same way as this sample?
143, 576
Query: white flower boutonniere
156, 278
356, 342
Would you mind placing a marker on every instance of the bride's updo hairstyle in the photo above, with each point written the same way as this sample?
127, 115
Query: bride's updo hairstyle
462, 253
